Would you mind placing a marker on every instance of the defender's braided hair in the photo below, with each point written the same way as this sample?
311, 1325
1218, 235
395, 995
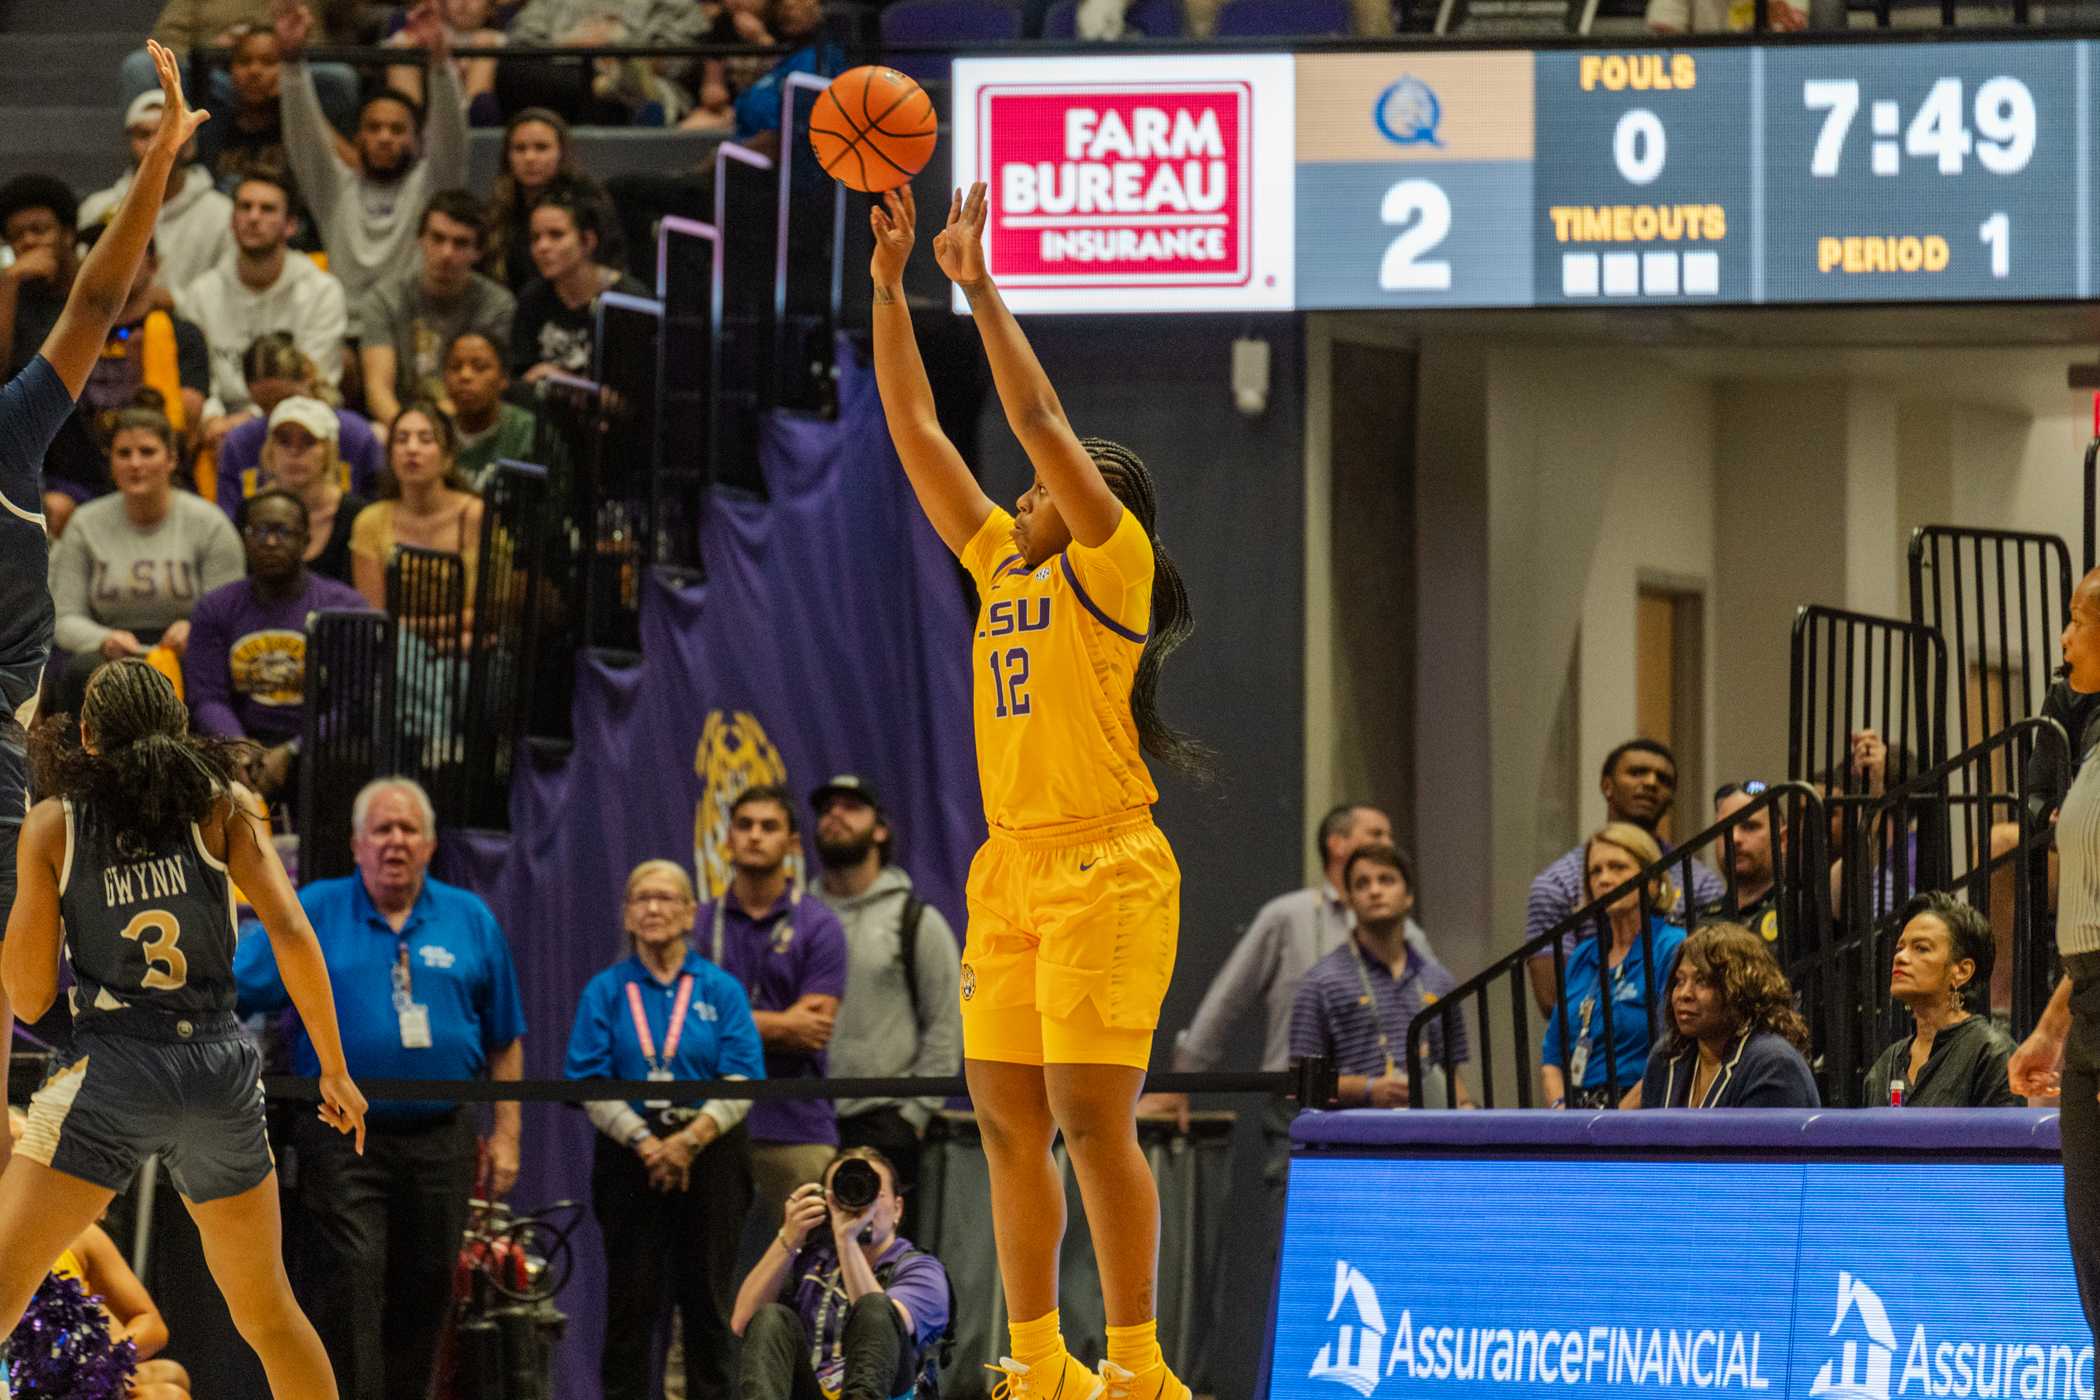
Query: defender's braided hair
149, 777
1172, 620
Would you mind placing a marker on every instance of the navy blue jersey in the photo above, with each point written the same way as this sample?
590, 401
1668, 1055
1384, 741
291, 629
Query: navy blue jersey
145, 927
32, 407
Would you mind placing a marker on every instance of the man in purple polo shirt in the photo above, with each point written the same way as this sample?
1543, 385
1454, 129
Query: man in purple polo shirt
790, 955
245, 671
841, 1304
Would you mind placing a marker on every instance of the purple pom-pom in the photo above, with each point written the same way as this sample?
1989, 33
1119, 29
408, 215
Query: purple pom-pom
61, 1349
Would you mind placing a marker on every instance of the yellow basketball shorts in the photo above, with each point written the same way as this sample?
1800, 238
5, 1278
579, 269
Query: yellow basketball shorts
1071, 943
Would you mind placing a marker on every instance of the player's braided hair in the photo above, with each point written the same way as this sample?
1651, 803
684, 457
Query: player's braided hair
148, 776
1172, 619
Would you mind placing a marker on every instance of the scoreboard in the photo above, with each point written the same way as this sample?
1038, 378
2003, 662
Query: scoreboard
1741, 175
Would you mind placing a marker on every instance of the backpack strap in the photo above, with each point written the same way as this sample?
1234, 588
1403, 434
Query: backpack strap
908, 950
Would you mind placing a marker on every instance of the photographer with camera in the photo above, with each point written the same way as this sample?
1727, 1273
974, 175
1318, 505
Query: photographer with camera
841, 1304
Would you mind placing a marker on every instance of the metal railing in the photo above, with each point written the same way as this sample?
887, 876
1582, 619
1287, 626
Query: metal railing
350, 728
426, 595
510, 602
2000, 600
1789, 816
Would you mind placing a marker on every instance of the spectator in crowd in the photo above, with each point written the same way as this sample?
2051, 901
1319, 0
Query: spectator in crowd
555, 321
263, 288
245, 135
185, 25
274, 370
491, 427
39, 220
1727, 16
842, 1303
423, 501
1756, 902
152, 359
644, 198
536, 156
95, 1263
244, 672
741, 22
300, 457
411, 318
467, 26
425, 989
789, 954
131, 566
670, 1186
579, 91
367, 207
1289, 934
1579, 1065
902, 1013
1953, 1057
1355, 1005
1639, 783
195, 226
1734, 1039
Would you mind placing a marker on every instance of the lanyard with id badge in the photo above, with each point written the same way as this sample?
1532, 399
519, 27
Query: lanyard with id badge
1622, 989
660, 1069
413, 1015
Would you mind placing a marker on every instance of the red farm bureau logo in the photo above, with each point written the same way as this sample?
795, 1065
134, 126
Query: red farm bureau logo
1125, 185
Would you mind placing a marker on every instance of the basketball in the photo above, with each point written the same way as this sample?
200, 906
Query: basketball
873, 129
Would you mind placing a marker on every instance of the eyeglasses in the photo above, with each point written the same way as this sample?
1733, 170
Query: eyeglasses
263, 532
1749, 787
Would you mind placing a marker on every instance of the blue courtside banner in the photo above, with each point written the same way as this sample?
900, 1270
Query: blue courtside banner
1594, 1277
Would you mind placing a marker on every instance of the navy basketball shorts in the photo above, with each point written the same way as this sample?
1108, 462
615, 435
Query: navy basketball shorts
195, 1100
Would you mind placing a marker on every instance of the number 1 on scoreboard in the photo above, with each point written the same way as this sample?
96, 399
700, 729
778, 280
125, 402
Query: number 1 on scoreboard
1996, 234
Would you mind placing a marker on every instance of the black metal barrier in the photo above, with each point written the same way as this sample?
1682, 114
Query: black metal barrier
2000, 600
1790, 817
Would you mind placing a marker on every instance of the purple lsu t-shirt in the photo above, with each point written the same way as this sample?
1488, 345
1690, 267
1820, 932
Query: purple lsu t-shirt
244, 672
796, 949
818, 1296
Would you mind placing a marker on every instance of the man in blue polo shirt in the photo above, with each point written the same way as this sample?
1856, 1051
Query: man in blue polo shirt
1355, 1005
424, 989
790, 955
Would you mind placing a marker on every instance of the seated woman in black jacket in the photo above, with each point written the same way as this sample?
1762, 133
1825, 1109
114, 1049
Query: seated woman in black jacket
1735, 1040
1953, 1057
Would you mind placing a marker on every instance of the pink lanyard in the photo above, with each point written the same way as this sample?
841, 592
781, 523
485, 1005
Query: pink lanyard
671, 1035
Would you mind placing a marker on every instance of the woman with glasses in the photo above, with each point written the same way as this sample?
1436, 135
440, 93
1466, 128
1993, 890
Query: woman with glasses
670, 1184
1582, 1060
245, 670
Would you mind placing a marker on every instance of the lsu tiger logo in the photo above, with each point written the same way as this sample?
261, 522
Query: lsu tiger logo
734, 754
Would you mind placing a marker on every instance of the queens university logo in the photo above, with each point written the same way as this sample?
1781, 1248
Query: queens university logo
1842, 1377
1335, 1362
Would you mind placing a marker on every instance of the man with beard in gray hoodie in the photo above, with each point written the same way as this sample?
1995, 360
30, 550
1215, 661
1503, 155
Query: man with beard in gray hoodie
902, 1012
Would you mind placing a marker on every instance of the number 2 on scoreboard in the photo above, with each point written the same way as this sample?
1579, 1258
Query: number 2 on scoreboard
1425, 211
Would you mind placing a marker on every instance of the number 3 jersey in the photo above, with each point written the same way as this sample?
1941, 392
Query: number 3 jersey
1055, 652
150, 928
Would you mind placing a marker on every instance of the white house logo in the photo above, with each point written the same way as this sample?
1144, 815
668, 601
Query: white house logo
1855, 1374
1357, 1366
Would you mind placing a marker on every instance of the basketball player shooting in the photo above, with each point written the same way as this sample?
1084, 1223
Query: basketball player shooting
1074, 901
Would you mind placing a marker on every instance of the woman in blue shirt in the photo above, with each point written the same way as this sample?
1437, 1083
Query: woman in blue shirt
1575, 1065
670, 1186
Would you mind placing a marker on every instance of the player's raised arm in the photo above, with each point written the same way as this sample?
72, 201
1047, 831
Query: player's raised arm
104, 283
254, 864
1090, 509
949, 495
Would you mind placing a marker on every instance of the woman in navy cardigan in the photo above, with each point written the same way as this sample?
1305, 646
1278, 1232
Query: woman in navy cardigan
1735, 1039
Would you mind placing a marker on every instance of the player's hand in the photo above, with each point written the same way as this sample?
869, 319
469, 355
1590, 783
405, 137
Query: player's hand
343, 1107
895, 219
2035, 1070
177, 122
806, 1210
959, 247
1174, 1106
294, 24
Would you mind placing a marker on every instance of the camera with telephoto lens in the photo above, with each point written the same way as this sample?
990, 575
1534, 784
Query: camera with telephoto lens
856, 1184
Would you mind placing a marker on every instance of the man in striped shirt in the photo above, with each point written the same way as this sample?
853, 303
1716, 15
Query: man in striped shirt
1355, 1005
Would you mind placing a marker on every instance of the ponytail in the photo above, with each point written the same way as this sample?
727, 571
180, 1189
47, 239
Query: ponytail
1172, 619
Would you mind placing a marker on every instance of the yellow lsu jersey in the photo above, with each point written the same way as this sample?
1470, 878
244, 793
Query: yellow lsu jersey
1055, 653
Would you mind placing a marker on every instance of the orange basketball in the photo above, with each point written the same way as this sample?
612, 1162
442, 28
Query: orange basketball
873, 129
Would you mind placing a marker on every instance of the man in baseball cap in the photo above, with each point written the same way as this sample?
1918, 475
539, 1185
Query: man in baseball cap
902, 1012
195, 228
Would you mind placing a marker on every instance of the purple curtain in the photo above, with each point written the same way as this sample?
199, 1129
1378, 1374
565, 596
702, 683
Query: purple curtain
831, 636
